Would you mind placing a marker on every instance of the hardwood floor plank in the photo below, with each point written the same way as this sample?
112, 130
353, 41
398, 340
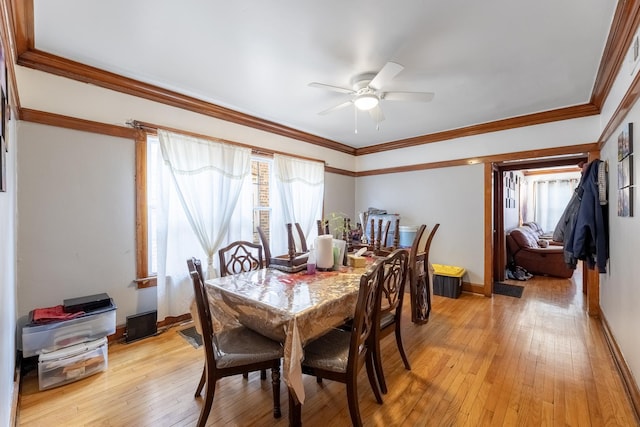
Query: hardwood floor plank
539, 360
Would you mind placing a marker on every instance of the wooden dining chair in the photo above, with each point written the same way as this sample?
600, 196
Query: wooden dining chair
232, 351
339, 355
419, 279
393, 277
240, 256
323, 227
303, 240
265, 245
416, 274
383, 246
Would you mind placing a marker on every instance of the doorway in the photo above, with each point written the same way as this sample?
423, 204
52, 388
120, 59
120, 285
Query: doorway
507, 206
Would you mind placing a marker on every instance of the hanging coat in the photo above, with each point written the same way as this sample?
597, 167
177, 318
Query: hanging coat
589, 240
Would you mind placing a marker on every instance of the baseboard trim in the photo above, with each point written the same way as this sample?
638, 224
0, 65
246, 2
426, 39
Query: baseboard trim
630, 385
473, 288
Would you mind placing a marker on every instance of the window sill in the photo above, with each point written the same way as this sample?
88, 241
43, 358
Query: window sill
147, 282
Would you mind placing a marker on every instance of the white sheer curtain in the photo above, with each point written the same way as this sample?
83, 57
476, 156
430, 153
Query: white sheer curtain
200, 184
297, 197
547, 200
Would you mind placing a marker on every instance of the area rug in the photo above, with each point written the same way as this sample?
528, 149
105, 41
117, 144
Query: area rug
192, 336
500, 288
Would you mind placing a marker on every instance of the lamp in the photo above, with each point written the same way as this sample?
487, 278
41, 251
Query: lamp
366, 101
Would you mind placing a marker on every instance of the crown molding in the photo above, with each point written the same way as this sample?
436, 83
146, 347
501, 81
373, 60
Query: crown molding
19, 22
492, 158
625, 21
63, 67
67, 122
495, 126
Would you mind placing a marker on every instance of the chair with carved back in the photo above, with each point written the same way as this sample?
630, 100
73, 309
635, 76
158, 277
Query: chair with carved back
393, 278
232, 351
416, 273
240, 256
419, 281
340, 354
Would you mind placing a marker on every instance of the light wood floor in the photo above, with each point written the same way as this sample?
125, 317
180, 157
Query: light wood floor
503, 361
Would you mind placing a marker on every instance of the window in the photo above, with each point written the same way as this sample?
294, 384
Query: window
148, 163
261, 178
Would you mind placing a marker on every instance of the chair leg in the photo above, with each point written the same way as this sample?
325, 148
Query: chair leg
377, 363
371, 375
203, 378
401, 347
208, 402
352, 397
245, 375
319, 379
263, 374
275, 384
295, 410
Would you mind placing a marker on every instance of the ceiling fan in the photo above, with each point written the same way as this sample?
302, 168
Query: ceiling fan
367, 92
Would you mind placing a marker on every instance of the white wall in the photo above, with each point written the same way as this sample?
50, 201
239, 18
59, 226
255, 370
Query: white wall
76, 230
548, 135
8, 282
619, 287
453, 197
339, 195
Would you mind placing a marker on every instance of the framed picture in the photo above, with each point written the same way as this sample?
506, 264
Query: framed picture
625, 142
625, 172
625, 201
634, 54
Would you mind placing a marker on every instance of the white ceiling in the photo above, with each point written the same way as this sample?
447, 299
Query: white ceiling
485, 60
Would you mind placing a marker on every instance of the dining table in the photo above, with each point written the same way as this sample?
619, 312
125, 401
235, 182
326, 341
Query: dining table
292, 308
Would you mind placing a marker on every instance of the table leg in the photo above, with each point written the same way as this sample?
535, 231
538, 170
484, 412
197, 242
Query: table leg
295, 410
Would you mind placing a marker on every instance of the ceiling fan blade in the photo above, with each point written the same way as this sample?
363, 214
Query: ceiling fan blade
388, 72
330, 87
408, 96
337, 107
376, 114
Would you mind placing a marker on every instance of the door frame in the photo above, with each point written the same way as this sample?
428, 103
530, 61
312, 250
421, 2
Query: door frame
495, 244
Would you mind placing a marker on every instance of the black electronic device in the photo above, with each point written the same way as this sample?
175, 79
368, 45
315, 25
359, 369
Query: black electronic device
88, 303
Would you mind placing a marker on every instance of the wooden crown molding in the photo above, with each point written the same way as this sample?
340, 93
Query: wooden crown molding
493, 158
59, 66
625, 21
629, 99
495, 126
58, 120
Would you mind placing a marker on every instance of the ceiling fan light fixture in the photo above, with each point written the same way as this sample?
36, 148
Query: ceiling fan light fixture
366, 101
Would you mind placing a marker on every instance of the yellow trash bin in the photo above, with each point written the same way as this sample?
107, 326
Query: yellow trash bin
447, 280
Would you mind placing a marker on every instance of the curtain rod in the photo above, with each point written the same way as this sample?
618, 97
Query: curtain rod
153, 129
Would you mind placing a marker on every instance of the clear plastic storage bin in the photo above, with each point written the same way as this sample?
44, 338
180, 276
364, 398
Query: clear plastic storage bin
72, 363
37, 339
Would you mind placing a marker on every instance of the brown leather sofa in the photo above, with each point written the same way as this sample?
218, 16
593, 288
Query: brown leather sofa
525, 251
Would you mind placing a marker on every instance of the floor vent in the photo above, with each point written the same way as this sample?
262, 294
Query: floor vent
141, 326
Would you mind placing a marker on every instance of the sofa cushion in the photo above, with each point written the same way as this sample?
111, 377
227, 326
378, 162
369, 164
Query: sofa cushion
525, 237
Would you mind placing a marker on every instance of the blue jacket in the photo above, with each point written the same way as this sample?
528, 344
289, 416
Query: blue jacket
589, 240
